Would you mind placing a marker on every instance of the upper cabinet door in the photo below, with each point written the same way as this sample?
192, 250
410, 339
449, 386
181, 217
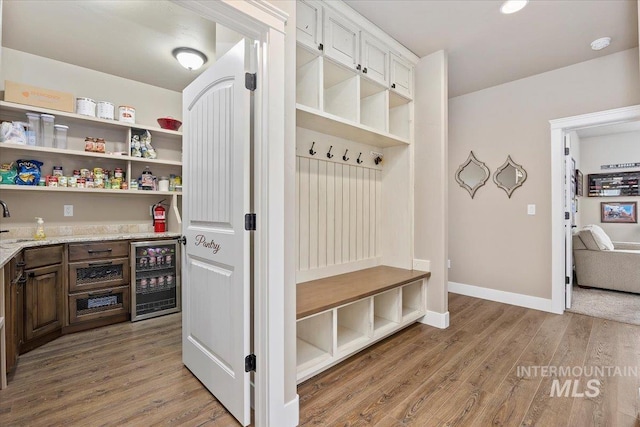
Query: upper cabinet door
374, 56
401, 76
341, 39
309, 23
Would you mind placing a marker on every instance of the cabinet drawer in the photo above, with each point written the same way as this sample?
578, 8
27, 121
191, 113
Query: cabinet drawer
97, 305
89, 275
82, 251
39, 257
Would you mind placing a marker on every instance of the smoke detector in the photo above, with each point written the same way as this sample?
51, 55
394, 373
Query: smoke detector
600, 43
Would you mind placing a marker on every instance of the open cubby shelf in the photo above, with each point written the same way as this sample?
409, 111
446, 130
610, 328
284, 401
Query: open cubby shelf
340, 315
334, 99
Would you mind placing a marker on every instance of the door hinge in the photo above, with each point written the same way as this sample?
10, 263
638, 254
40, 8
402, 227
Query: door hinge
250, 81
566, 215
250, 222
250, 363
182, 240
566, 280
566, 151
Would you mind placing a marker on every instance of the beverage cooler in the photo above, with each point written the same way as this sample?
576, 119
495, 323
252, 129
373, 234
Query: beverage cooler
155, 278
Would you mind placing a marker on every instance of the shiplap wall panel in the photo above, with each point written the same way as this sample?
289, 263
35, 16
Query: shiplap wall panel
338, 213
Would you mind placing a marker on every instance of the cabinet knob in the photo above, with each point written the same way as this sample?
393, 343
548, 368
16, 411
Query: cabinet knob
358, 67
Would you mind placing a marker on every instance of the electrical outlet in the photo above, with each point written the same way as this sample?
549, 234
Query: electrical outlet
68, 210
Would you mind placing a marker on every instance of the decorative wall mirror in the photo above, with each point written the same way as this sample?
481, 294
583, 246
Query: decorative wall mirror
472, 174
509, 176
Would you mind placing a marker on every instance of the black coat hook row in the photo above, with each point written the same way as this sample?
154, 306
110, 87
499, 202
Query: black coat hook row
313, 153
358, 159
345, 158
329, 155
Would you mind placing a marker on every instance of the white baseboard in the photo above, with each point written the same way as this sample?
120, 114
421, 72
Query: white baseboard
435, 319
292, 413
422, 264
512, 298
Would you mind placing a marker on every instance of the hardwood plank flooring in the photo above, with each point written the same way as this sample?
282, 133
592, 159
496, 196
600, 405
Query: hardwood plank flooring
131, 374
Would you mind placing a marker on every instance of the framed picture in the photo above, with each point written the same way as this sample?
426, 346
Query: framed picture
579, 180
619, 212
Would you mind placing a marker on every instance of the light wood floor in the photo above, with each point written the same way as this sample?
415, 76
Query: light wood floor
131, 374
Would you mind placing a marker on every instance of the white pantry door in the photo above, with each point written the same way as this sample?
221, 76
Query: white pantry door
216, 263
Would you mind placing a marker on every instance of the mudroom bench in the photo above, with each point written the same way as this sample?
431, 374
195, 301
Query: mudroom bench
340, 315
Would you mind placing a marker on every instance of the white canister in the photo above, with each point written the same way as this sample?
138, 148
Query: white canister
126, 114
106, 110
86, 107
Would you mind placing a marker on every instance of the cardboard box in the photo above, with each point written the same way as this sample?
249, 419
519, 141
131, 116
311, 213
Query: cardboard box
38, 97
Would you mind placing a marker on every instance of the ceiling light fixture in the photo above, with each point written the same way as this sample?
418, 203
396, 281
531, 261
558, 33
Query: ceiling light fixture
512, 6
190, 59
600, 43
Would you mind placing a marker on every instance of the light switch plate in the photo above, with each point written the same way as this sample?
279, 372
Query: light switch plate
68, 210
531, 209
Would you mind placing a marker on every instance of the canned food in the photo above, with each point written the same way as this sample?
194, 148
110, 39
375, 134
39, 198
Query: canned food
81, 182
115, 183
73, 181
62, 181
98, 183
51, 181
126, 114
169, 280
160, 281
144, 283
152, 261
117, 173
86, 107
106, 110
99, 146
167, 259
57, 171
98, 173
42, 181
84, 173
153, 281
89, 183
76, 173
143, 262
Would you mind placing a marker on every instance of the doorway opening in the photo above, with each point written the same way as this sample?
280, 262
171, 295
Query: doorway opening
565, 209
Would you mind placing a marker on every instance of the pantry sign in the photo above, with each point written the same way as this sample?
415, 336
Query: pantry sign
202, 241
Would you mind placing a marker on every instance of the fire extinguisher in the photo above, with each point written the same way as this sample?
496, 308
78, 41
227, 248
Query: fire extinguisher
159, 218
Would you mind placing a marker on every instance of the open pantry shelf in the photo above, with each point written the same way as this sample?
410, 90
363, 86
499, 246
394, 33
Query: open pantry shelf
87, 190
64, 117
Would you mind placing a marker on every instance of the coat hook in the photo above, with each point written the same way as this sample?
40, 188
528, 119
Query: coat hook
358, 159
329, 155
345, 158
377, 160
313, 153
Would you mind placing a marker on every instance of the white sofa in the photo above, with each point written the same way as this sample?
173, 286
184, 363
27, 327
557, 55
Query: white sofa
601, 263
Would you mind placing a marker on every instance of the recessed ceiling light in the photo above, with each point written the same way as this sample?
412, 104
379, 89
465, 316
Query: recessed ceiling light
600, 43
190, 59
512, 6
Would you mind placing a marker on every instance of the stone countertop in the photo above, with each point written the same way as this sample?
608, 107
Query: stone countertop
10, 247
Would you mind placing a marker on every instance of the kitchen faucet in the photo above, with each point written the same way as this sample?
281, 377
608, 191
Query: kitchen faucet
5, 214
5, 210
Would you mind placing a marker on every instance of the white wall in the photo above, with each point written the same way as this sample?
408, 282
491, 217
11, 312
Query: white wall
150, 102
493, 243
604, 150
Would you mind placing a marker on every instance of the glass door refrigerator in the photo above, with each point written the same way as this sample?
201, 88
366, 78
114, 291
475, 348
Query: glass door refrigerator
155, 278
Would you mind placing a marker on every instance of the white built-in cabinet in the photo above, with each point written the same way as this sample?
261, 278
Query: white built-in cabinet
354, 99
331, 336
309, 24
374, 56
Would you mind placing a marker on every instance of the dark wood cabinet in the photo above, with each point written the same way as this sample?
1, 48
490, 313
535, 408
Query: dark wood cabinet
43, 296
14, 285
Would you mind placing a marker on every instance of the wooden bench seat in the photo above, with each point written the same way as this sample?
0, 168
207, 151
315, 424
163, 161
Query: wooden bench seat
320, 295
